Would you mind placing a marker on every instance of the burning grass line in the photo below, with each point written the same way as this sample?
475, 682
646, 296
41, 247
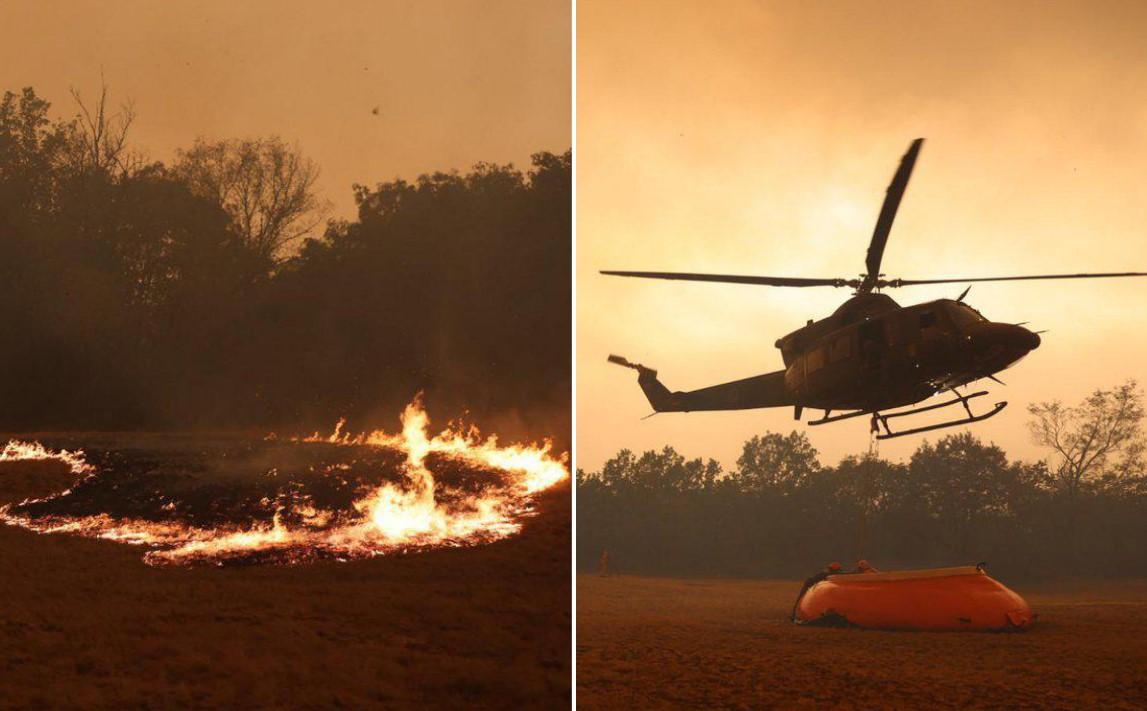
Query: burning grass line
387, 518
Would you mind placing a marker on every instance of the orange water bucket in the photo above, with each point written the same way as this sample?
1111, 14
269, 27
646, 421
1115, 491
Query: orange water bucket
963, 598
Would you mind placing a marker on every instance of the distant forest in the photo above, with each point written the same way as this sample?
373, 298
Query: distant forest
214, 292
1081, 512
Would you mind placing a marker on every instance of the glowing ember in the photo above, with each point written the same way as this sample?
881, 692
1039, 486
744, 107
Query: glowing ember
387, 517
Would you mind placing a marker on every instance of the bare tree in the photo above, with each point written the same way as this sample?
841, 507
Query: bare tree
1100, 438
266, 186
99, 136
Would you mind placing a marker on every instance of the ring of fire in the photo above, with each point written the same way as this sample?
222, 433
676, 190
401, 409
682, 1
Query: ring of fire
385, 518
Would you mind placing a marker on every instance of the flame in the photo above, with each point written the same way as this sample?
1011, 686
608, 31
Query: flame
389, 517
16, 451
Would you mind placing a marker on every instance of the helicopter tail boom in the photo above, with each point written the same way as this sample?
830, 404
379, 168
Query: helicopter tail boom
766, 390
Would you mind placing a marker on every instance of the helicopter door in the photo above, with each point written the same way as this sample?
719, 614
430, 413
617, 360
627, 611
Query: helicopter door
873, 344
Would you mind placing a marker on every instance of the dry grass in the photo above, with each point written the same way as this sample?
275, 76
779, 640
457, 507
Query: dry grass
85, 624
648, 643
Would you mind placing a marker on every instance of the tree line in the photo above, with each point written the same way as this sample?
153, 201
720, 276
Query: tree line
1080, 512
214, 291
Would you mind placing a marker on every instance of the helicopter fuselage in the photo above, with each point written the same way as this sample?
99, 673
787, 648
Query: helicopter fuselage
873, 354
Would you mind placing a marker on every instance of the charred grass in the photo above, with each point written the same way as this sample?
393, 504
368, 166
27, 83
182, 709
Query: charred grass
86, 624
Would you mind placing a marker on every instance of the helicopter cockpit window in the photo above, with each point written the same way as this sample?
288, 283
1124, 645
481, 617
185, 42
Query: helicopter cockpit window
927, 319
965, 315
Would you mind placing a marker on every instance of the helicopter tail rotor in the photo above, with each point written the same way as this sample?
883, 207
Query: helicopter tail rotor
626, 363
658, 395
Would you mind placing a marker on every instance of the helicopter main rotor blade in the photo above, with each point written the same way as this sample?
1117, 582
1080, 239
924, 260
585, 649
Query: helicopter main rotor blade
734, 279
915, 282
888, 212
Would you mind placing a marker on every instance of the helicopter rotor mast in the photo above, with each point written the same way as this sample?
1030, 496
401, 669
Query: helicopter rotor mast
872, 279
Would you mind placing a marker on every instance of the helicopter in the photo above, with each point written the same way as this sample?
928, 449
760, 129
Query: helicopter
871, 356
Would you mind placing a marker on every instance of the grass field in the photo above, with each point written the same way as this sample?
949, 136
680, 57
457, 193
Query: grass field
85, 624
652, 642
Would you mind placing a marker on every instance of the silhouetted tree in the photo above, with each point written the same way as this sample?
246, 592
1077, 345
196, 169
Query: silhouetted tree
266, 186
1096, 445
957, 501
31, 146
98, 137
138, 295
775, 461
1098, 441
960, 481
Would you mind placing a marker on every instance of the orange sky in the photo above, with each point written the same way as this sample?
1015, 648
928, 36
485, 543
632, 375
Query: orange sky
455, 81
758, 137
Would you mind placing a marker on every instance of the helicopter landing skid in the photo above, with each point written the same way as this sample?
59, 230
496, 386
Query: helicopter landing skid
879, 420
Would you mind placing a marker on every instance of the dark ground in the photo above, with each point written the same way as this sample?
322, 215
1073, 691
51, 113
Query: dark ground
85, 624
665, 643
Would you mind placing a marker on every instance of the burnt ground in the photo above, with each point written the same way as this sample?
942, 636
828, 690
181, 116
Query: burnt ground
662, 643
86, 624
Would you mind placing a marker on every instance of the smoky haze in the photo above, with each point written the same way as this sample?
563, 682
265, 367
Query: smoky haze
434, 135
374, 91
759, 138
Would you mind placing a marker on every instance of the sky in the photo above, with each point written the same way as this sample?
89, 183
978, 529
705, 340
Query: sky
455, 82
759, 138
